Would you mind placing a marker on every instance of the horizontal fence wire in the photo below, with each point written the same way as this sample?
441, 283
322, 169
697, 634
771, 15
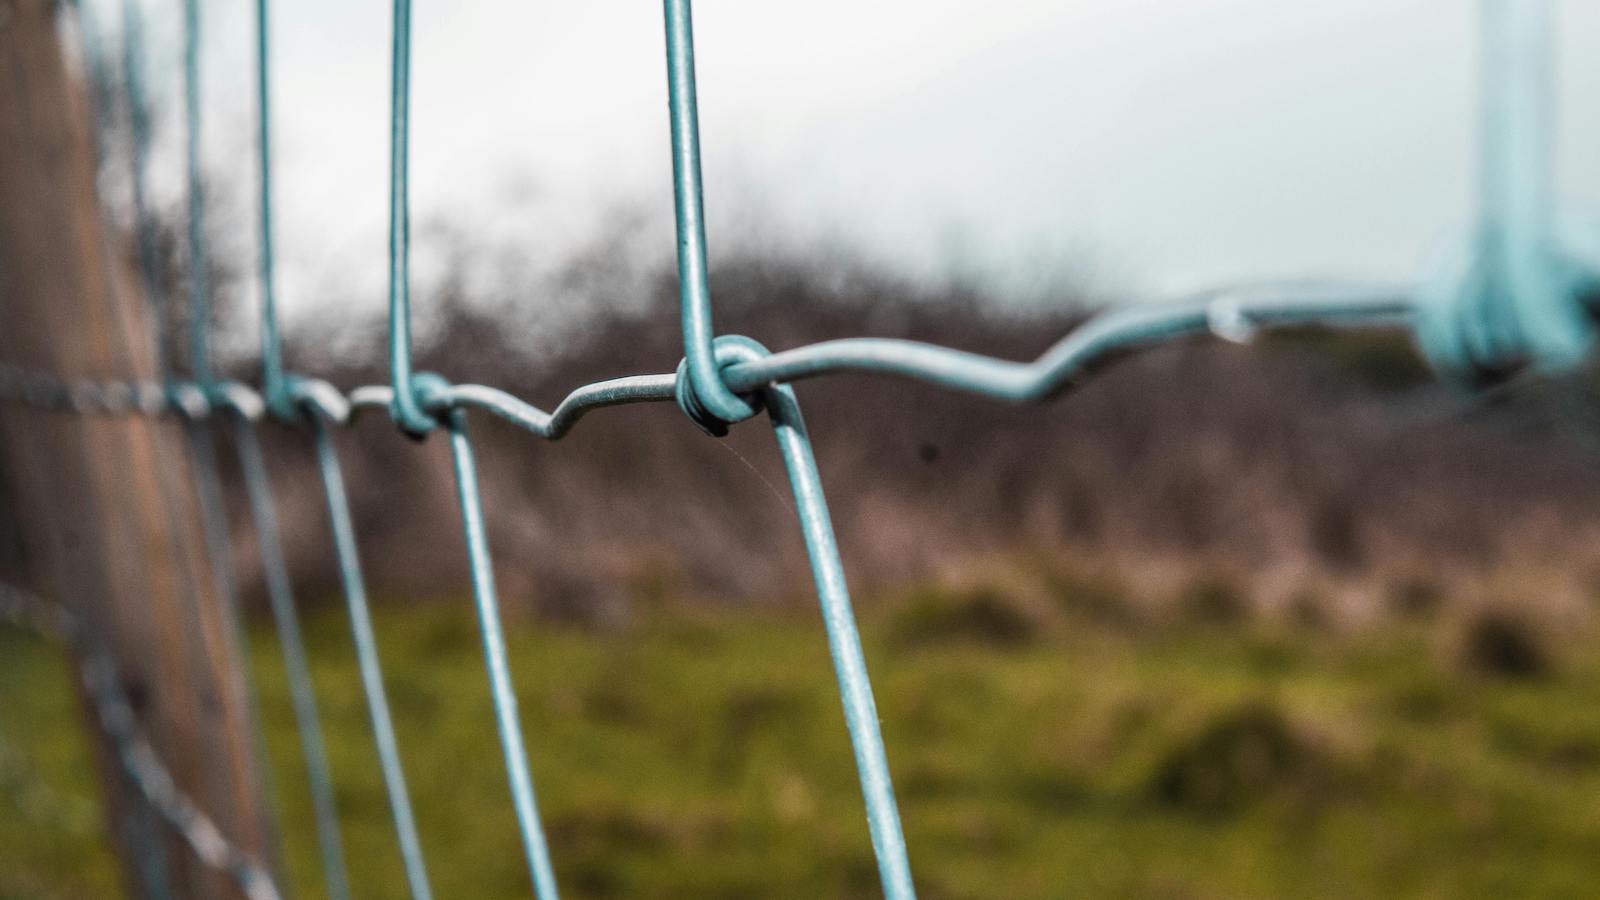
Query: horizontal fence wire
1515, 296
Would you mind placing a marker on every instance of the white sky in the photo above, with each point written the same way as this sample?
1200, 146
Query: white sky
1165, 144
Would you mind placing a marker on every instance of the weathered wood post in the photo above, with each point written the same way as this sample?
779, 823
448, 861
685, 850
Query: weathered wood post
106, 505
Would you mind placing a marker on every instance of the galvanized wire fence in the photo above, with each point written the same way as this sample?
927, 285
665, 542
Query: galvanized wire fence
1518, 293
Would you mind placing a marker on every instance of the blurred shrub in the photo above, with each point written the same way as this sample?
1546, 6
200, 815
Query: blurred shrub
1415, 596
1214, 599
982, 615
1308, 608
1239, 757
1092, 597
1506, 643
1384, 361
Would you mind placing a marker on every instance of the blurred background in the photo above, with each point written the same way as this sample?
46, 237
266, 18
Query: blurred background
1280, 619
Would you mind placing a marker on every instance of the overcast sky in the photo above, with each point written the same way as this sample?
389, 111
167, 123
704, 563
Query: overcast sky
1160, 145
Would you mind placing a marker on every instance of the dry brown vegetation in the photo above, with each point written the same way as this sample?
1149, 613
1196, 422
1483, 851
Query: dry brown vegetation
1322, 476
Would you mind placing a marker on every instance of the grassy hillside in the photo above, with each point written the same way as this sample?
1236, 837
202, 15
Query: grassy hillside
1044, 743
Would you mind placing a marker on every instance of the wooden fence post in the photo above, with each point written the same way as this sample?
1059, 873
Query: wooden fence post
106, 506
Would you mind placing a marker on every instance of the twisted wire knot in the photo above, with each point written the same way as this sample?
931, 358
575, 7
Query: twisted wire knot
431, 391
729, 349
278, 395
429, 405
1481, 319
417, 412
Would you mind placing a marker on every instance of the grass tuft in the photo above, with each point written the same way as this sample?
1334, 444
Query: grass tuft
984, 616
1505, 643
1238, 759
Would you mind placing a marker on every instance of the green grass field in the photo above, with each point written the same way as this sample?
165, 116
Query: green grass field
701, 753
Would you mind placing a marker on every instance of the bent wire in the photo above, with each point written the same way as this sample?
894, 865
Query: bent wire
1102, 339
496, 660
1511, 293
407, 413
275, 571
1516, 296
844, 643
689, 208
366, 641
296, 665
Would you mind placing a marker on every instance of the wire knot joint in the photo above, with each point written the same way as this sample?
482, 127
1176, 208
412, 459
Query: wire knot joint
1482, 318
729, 350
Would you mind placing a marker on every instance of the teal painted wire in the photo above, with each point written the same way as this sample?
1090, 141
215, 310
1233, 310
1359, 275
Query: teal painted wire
139, 153
1513, 295
833, 595
208, 483
139, 824
1516, 174
693, 288
849, 662
406, 411
275, 571
355, 593
1115, 334
1072, 360
272, 375
199, 314
297, 668
495, 658
1516, 129
1103, 338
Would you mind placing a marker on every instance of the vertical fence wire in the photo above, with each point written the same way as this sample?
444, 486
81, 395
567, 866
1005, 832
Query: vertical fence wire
1515, 175
355, 592
496, 660
258, 487
199, 278
149, 264
202, 446
406, 411
1513, 256
844, 642
296, 664
272, 376
689, 206
1515, 201
714, 399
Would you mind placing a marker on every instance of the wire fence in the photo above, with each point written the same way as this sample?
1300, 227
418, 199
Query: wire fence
1517, 293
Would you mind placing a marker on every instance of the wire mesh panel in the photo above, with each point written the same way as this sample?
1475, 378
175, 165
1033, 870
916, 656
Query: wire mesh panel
1514, 297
